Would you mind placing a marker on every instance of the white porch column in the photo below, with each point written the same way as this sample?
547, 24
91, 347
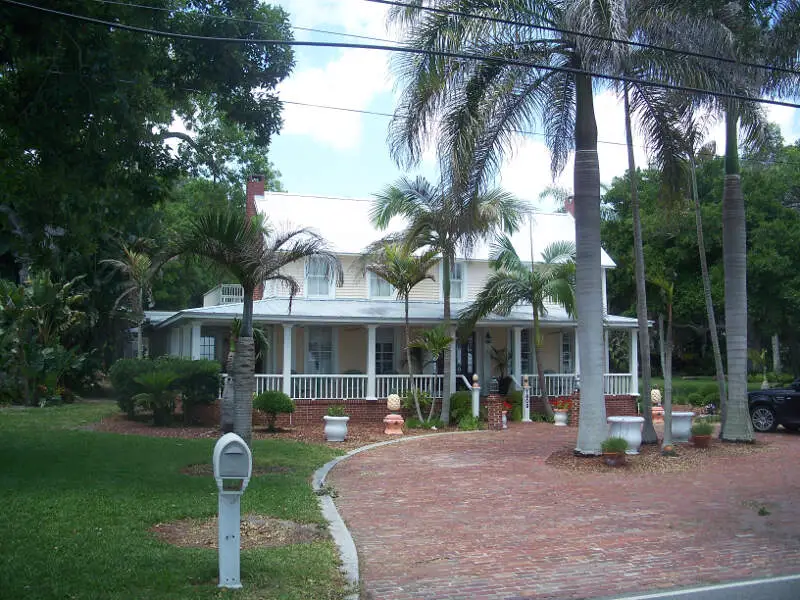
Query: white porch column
186, 342
196, 342
606, 357
371, 340
577, 354
287, 359
517, 358
634, 361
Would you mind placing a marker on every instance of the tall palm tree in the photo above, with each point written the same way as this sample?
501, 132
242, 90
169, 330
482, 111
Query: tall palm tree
441, 219
254, 253
474, 109
667, 289
512, 282
403, 270
138, 269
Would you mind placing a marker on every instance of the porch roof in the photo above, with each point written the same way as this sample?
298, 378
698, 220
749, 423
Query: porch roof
349, 311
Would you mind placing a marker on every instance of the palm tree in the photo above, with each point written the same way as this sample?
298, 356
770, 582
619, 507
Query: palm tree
399, 267
435, 342
667, 289
138, 269
254, 253
440, 219
512, 282
475, 109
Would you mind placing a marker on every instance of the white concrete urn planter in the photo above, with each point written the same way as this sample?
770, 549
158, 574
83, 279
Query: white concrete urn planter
681, 426
628, 428
560, 417
335, 428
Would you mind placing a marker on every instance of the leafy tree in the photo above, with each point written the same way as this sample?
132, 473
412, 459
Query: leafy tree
511, 282
403, 270
254, 253
444, 220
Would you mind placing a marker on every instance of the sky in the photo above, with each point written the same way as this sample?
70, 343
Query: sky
345, 154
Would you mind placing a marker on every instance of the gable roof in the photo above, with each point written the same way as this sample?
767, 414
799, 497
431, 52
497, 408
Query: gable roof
345, 224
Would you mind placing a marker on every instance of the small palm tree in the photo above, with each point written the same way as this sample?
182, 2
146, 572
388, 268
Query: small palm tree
435, 341
446, 221
138, 269
512, 282
403, 270
254, 253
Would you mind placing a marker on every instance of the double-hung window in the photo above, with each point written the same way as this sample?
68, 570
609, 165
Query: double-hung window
208, 347
457, 281
318, 278
380, 288
384, 351
320, 350
567, 354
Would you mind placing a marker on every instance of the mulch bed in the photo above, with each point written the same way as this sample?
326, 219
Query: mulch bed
257, 531
650, 459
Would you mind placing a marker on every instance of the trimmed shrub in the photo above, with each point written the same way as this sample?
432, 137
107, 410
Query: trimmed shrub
696, 399
273, 403
516, 413
460, 406
414, 423
469, 423
702, 428
614, 445
709, 388
424, 399
123, 374
712, 398
197, 380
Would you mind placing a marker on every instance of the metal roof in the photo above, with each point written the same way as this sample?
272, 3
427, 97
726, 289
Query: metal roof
345, 224
350, 311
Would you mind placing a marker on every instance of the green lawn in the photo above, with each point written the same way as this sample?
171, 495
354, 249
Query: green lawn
683, 386
77, 506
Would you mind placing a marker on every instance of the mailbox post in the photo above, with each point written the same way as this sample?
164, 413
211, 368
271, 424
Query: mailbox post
233, 466
526, 400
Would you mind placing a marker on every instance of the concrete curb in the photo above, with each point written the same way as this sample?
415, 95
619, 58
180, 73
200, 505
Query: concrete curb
338, 530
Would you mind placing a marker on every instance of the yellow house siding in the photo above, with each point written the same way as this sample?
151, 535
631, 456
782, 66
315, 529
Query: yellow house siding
355, 284
477, 276
428, 289
352, 349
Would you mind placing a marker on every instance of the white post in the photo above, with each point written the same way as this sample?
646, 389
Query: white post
228, 540
196, 342
526, 400
371, 338
606, 351
476, 396
287, 359
517, 358
577, 354
634, 361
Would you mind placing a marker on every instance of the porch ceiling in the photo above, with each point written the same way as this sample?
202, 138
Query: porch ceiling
306, 310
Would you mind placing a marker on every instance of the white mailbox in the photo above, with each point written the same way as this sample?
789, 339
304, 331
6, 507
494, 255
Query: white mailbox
233, 464
233, 467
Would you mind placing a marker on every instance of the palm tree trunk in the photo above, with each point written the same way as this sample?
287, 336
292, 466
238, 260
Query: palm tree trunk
736, 425
411, 386
589, 290
244, 382
666, 368
537, 345
649, 435
447, 356
712, 319
227, 403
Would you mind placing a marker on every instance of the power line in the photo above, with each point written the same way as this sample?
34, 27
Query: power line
593, 36
239, 20
405, 49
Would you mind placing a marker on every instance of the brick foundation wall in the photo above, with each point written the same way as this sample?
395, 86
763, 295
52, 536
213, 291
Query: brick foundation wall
616, 406
309, 411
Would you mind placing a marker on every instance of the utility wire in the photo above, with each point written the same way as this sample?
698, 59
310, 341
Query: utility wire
553, 29
239, 20
405, 49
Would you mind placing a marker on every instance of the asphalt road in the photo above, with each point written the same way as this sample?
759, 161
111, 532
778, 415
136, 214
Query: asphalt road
773, 588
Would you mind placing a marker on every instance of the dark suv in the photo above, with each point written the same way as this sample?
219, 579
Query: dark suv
770, 408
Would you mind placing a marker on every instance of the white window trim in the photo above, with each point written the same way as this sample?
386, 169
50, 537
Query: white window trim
331, 287
390, 298
464, 292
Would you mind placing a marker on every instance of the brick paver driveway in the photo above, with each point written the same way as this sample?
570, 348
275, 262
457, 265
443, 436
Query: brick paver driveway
482, 516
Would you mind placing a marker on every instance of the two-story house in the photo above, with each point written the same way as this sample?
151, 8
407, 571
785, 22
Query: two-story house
347, 342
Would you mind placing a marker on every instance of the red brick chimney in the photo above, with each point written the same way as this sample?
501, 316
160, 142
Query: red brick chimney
255, 187
569, 205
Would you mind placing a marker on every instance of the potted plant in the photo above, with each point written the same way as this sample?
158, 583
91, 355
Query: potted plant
701, 434
614, 451
561, 412
336, 423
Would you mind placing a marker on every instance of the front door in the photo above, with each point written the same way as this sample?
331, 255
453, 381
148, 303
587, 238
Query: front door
465, 361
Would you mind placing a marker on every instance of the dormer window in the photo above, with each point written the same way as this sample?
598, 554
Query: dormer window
380, 288
319, 280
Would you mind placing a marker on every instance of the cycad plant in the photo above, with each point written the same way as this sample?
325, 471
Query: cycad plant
512, 282
404, 270
254, 253
441, 219
157, 394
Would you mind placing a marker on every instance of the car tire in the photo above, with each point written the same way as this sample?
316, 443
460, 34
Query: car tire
763, 418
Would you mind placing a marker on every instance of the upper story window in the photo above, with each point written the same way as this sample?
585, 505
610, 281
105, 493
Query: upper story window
379, 287
319, 280
457, 281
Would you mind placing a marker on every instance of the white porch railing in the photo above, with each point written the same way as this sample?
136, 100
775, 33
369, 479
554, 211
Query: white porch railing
563, 384
268, 382
398, 384
329, 387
